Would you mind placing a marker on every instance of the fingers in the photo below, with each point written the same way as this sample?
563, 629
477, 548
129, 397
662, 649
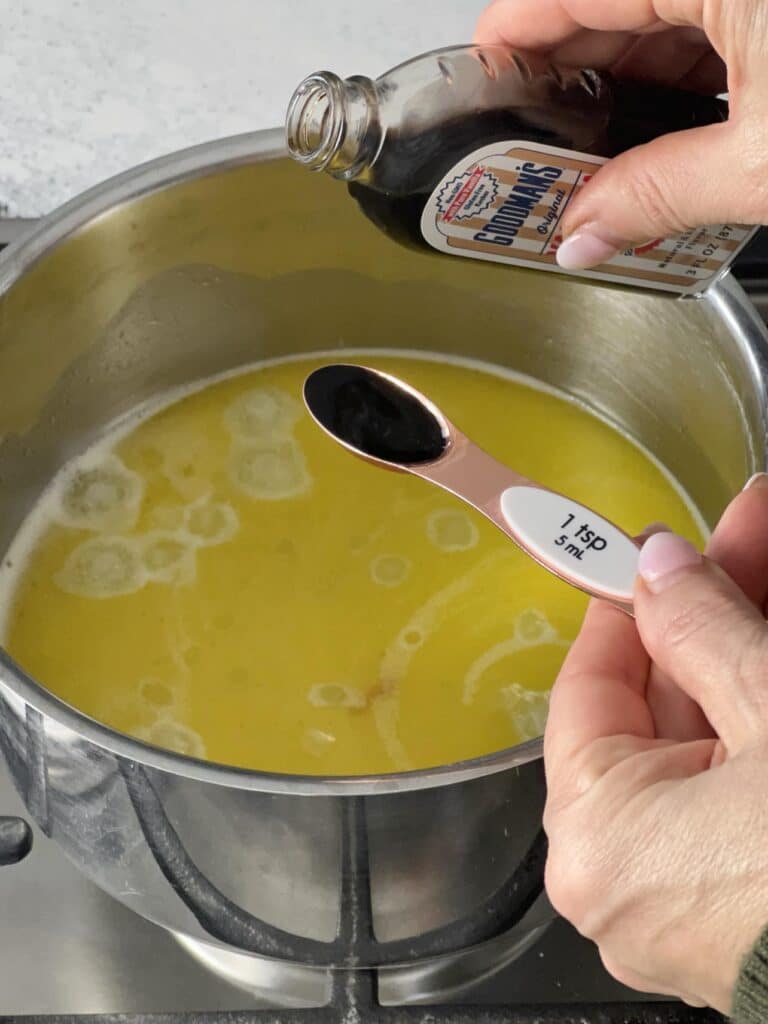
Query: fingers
527, 24
666, 57
544, 24
596, 50
709, 76
675, 182
636, 765
598, 693
676, 716
606, 689
658, 190
739, 544
705, 633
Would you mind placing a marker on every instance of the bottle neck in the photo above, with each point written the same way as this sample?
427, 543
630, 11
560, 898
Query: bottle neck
333, 124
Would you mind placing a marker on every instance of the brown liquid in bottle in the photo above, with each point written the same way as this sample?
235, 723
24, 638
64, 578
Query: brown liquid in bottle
637, 114
414, 139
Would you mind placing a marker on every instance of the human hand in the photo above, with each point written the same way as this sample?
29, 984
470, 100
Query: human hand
712, 175
657, 766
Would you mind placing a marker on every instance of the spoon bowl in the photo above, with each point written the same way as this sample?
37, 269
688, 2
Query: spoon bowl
377, 416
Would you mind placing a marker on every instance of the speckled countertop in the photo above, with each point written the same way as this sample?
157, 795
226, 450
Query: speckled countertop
89, 89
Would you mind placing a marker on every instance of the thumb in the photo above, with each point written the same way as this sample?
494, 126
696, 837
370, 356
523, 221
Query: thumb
702, 630
679, 181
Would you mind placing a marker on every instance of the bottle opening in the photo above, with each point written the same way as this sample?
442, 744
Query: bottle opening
315, 122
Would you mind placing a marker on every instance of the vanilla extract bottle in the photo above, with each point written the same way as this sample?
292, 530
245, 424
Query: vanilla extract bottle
476, 151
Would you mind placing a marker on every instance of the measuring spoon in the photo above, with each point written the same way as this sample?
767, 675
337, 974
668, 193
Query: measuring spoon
387, 422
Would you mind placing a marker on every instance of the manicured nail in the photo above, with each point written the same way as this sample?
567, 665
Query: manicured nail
662, 556
758, 480
587, 247
652, 528
649, 531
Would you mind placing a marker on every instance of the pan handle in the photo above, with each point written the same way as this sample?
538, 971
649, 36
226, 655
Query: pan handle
15, 840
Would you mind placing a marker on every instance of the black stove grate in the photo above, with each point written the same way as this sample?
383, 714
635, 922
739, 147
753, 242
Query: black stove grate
356, 942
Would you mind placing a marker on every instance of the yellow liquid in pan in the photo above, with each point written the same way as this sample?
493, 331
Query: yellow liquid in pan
224, 581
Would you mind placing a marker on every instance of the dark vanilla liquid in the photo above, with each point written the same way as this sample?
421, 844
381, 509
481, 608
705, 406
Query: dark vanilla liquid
410, 166
373, 415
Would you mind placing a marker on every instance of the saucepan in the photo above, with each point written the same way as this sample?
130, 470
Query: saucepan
215, 258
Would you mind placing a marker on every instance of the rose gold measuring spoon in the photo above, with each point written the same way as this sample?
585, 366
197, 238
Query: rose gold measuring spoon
387, 422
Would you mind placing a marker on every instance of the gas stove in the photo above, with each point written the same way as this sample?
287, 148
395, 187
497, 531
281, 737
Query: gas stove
70, 953
69, 950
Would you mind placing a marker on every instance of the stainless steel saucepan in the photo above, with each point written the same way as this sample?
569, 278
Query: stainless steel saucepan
215, 258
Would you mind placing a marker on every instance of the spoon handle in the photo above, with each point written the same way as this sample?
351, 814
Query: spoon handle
571, 541
565, 537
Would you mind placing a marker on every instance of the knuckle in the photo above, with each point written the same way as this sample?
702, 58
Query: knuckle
751, 658
648, 189
714, 623
594, 761
753, 143
686, 624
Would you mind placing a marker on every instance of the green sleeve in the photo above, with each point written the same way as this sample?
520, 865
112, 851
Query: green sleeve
750, 1001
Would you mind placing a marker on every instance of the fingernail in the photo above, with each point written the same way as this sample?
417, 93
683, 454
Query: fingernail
649, 530
662, 556
759, 480
656, 528
587, 247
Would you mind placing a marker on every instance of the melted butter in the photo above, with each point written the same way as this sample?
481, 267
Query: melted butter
225, 581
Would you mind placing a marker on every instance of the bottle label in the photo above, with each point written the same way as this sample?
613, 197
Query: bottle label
505, 202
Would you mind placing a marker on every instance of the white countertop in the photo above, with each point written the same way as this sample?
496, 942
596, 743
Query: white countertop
88, 88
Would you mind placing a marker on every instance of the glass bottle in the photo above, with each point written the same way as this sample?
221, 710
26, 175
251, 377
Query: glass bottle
434, 146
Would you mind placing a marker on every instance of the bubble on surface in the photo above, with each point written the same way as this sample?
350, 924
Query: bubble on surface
317, 742
531, 629
156, 693
335, 695
265, 414
168, 557
271, 473
102, 567
172, 735
210, 522
101, 495
527, 710
412, 638
452, 530
390, 570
